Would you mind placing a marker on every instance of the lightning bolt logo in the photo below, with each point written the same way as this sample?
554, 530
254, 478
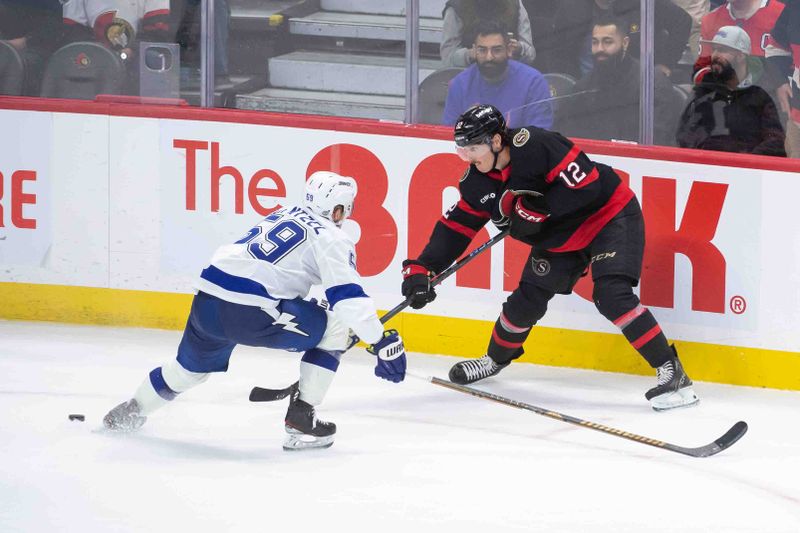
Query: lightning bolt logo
287, 321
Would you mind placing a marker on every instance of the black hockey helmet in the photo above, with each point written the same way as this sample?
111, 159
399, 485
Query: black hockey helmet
479, 124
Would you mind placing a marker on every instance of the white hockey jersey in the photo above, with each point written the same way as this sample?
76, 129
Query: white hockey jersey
282, 257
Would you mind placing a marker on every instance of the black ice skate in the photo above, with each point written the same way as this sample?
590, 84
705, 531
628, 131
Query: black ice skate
125, 417
303, 429
473, 370
674, 388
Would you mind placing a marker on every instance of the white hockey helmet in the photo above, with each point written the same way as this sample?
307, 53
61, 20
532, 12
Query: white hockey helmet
326, 190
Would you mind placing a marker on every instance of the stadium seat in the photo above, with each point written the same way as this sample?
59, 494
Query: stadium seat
683, 97
433, 93
12, 70
560, 85
82, 71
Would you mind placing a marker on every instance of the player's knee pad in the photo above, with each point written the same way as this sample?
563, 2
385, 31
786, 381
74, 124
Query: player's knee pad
613, 296
336, 337
317, 369
526, 305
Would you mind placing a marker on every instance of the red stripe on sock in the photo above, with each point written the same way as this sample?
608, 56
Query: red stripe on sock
505, 344
647, 337
630, 316
509, 326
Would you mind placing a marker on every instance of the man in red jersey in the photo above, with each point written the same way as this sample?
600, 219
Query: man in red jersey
573, 212
756, 17
784, 52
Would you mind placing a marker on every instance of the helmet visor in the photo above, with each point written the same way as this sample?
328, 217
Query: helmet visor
472, 152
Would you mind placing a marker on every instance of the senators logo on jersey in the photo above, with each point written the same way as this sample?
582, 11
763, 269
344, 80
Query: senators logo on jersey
521, 137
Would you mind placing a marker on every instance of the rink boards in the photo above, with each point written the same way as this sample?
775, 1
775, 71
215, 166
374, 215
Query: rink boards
109, 211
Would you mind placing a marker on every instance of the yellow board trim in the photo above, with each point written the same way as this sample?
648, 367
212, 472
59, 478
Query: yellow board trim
88, 305
421, 333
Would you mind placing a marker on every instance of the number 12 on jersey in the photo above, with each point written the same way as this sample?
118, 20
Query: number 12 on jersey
572, 175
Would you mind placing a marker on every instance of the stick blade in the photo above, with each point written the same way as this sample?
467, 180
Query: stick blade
730, 438
260, 394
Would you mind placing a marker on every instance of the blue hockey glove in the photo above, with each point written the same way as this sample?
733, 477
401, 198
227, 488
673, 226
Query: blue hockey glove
391, 364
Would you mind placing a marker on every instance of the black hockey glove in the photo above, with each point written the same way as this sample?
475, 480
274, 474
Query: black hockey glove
417, 284
526, 213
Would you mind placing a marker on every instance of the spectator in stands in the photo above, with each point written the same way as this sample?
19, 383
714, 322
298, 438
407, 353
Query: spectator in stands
461, 18
33, 27
756, 17
697, 9
605, 103
519, 91
729, 112
119, 23
783, 52
575, 19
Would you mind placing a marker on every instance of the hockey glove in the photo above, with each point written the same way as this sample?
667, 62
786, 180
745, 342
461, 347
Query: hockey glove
526, 213
391, 364
417, 284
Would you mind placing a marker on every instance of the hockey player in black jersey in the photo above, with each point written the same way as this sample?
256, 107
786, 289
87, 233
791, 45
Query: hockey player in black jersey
573, 212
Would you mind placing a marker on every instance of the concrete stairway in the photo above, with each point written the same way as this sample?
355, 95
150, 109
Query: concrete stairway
348, 60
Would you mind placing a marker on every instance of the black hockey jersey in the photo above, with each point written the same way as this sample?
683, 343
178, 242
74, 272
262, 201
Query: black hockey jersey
581, 196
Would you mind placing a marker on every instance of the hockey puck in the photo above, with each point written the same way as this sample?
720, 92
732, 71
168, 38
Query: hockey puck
79, 418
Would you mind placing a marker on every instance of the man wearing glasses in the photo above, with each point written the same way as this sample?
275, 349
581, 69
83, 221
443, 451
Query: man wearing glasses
514, 88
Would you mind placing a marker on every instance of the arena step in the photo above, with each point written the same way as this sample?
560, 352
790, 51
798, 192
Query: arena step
364, 26
346, 73
324, 103
427, 8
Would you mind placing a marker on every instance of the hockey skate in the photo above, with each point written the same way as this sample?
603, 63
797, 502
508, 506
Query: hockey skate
303, 430
473, 370
674, 388
125, 417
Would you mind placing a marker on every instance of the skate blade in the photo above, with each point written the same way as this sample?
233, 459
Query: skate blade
296, 441
684, 397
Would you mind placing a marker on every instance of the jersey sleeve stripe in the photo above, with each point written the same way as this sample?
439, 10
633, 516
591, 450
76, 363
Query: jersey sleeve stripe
338, 293
233, 283
460, 228
464, 206
570, 157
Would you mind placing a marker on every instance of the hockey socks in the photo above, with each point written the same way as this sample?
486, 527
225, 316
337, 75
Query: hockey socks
643, 332
317, 369
164, 383
303, 429
506, 342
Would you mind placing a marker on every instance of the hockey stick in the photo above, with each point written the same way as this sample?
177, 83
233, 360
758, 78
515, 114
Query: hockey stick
449, 271
260, 394
724, 442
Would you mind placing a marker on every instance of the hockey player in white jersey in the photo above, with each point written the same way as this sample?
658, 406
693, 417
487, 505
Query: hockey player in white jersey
252, 294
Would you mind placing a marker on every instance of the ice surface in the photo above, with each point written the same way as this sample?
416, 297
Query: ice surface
411, 457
